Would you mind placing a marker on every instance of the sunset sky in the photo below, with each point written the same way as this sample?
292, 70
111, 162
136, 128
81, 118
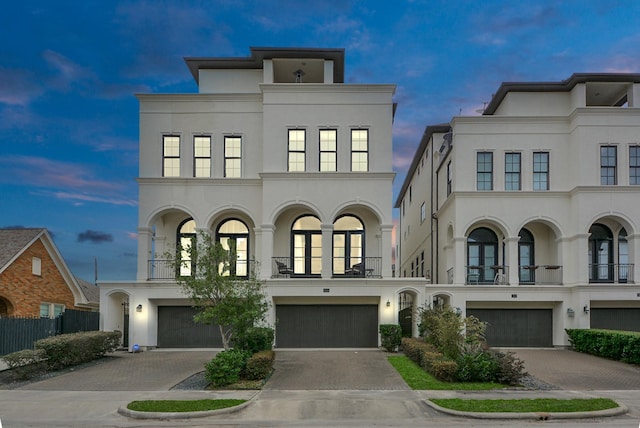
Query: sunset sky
69, 71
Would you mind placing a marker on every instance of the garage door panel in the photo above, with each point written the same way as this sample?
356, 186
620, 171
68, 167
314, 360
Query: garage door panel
517, 327
327, 326
627, 319
176, 329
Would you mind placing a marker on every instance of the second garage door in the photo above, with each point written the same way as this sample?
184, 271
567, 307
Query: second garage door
517, 327
176, 329
327, 326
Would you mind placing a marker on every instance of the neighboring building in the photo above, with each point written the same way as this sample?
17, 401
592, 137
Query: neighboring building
279, 158
34, 279
528, 216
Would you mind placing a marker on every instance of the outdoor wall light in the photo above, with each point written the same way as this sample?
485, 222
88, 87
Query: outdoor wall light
139, 308
586, 309
570, 313
388, 303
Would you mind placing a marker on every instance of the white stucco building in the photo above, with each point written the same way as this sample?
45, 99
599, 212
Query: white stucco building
279, 158
528, 216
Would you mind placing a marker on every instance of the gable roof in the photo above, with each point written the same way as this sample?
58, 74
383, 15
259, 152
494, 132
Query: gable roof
90, 290
14, 242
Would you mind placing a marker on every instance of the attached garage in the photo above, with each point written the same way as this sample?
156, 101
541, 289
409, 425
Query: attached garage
327, 326
176, 329
517, 327
616, 318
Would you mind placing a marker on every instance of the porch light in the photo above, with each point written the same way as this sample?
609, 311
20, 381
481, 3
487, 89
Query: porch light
388, 303
139, 308
570, 313
586, 309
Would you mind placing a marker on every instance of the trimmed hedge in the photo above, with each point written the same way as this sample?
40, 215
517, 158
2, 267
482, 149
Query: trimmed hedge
26, 363
391, 336
617, 345
259, 365
72, 349
427, 356
255, 339
415, 348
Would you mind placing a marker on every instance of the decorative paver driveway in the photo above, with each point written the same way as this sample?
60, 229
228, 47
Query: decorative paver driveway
331, 370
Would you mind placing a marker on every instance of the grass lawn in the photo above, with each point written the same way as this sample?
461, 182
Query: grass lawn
417, 378
182, 405
527, 405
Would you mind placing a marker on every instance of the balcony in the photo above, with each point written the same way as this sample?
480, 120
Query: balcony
498, 275
159, 270
304, 267
540, 275
611, 273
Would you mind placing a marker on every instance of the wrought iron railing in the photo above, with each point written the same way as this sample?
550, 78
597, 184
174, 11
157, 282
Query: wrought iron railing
611, 273
165, 269
496, 274
540, 274
287, 267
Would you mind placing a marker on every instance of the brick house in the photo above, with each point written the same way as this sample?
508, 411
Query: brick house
35, 280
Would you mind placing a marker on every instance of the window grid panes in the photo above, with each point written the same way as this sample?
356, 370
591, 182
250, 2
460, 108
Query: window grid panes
296, 145
171, 156
328, 146
232, 157
485, 171
634, 165
202, 156
449, 177
359, 150
540, 171
608, 165
423, 212
512, 171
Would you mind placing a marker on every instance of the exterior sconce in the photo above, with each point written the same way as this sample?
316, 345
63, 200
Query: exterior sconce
570, 313
388, 303
586, 309
139, 308
458, 311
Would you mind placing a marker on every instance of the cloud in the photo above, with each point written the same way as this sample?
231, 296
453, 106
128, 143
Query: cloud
18, 87
94, 237
80, 198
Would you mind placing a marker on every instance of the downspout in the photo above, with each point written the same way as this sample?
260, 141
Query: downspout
434, 219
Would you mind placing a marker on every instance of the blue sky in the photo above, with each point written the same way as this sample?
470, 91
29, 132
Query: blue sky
69, 71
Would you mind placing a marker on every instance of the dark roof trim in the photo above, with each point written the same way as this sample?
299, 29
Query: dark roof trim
426, 136
259, 54
562, 86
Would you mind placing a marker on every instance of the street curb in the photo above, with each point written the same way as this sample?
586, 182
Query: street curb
122, 410
540, 416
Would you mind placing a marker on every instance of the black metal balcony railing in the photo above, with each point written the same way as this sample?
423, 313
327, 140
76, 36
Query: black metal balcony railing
498, 275
165, 269
286, 267
540, 274
611, 273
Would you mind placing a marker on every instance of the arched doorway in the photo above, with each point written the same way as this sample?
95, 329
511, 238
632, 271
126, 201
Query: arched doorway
306, 246
406, 312
600, 253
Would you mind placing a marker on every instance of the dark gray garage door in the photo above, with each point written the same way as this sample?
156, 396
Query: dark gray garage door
327, 326
616, 318
176, 329
517, 327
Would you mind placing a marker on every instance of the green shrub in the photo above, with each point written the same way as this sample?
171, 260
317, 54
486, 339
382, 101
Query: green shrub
226, 367
254, 339
26, 363
617, 345
391, 336
428, 358
414, 348
259, 365
444, 370
71, 349
476, 365
510, 368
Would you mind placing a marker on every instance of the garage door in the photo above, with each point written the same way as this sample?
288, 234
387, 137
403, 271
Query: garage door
616, 318
176, 329
517, 327
327, 326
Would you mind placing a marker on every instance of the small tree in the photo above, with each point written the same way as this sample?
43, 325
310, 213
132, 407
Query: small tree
234, 304
445, 328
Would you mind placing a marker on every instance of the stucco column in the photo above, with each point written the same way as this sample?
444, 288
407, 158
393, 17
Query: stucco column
579, 258
511, 259
264, 244
385, 250
633, 242
327, 250
459, 251
145, 235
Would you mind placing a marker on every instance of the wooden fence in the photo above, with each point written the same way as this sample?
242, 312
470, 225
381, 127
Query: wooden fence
21, 333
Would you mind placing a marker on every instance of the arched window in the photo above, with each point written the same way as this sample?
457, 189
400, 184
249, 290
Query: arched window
186, 239
526, 259
233, 235
482, 255
348, 246
306, 246
623, 256
600, 253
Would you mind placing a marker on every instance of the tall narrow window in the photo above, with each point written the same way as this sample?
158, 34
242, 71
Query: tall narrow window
512, 171
296, 149
328, 148
359, 150
202, 156
233, 235
186, 240
541, 171
449, 177
485, 170
306, 248
171, 156
232, 156
423, 212
608, 165
634, 165
348, 246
